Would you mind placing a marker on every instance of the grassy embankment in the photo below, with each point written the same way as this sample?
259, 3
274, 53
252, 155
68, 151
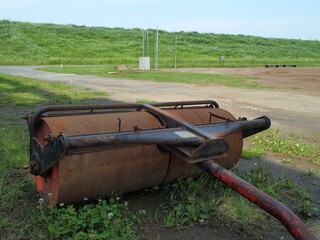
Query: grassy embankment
41, 44
188, 202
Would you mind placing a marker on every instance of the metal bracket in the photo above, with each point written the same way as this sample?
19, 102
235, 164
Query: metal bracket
43, 157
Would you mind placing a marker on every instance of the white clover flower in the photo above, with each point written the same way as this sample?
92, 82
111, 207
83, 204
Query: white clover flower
40, 201
85, 199
126, 204
110, 215
118, 198
99, 201
61, 204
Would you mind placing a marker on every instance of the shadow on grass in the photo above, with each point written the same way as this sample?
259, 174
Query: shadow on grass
18, 91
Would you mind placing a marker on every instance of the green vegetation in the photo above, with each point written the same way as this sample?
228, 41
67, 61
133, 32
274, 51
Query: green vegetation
19, 216
201, 199
195, 78
19, 91
144, 100
35, 44
196, 200
105, 220
190, 201
279, 143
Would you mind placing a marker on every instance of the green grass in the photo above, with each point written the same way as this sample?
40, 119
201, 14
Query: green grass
199, 200
18, 91
105, 220
187, 202
19, 216
33, 44
194, 78
274, 141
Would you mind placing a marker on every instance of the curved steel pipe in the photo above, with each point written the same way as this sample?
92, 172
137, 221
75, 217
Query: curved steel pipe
272, 206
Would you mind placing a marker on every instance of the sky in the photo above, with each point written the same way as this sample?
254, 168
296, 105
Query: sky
295, 19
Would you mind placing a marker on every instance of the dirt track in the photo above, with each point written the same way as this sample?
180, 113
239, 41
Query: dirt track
306, 80
294, 106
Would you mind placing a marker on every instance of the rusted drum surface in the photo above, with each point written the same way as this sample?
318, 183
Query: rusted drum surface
124, 168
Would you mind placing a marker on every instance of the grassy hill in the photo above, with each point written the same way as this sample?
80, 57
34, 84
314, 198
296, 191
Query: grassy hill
35, 44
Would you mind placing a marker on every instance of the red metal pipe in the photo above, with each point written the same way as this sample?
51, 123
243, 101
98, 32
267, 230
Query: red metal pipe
272, 206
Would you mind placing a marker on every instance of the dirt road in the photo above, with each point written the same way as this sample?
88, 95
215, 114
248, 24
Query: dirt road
306, 80
294, 106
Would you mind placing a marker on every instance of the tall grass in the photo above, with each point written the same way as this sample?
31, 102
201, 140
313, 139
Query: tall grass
29, 43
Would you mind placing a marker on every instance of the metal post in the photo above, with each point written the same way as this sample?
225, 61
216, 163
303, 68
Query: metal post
142, 43
175, 52
156, 51
147, 44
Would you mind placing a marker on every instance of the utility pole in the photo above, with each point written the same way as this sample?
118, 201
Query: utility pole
156, 51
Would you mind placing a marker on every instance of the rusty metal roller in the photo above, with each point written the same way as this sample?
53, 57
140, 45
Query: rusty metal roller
92, 151
91, 172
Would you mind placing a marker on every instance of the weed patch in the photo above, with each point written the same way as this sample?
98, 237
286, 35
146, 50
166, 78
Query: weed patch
189, 202
202, 199
106, 220
273, 141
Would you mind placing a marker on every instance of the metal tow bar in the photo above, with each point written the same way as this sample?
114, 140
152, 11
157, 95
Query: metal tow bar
272, 206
